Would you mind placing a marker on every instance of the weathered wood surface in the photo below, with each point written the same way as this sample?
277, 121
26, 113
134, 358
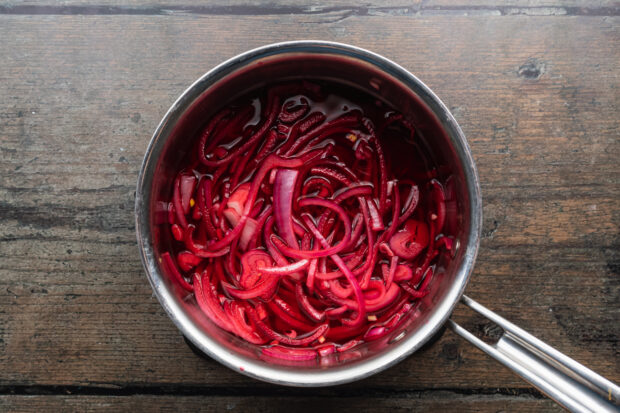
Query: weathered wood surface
436, 402
80, 96
270, 7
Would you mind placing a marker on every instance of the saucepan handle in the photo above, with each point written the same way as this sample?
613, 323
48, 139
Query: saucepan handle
569, 383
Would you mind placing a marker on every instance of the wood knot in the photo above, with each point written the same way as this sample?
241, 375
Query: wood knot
532, 69
491, 332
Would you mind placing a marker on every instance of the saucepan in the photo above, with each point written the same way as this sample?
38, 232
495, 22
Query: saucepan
569, 383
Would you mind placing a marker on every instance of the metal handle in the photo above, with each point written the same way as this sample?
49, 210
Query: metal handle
570, 384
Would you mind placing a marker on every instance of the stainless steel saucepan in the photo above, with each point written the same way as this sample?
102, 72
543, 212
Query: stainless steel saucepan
564, 380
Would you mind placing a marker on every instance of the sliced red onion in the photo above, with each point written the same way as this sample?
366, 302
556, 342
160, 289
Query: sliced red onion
375, 217
290, 354
282, 213
186, 187
283, 202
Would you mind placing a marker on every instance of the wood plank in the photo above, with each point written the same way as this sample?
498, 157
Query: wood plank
344, 8
444, 402
528, 7
537, 98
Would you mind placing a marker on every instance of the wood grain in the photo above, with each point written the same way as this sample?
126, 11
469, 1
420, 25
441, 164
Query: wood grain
446, 401
81, 95
276, 7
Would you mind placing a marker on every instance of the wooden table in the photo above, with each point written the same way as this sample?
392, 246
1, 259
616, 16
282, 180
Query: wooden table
534, 85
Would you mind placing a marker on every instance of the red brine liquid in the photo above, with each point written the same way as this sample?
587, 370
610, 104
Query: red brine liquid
306, 219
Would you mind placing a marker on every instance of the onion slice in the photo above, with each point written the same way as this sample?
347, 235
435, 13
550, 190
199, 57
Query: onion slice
283, 204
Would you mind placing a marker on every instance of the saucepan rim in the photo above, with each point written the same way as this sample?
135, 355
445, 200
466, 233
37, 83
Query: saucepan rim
275, 373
